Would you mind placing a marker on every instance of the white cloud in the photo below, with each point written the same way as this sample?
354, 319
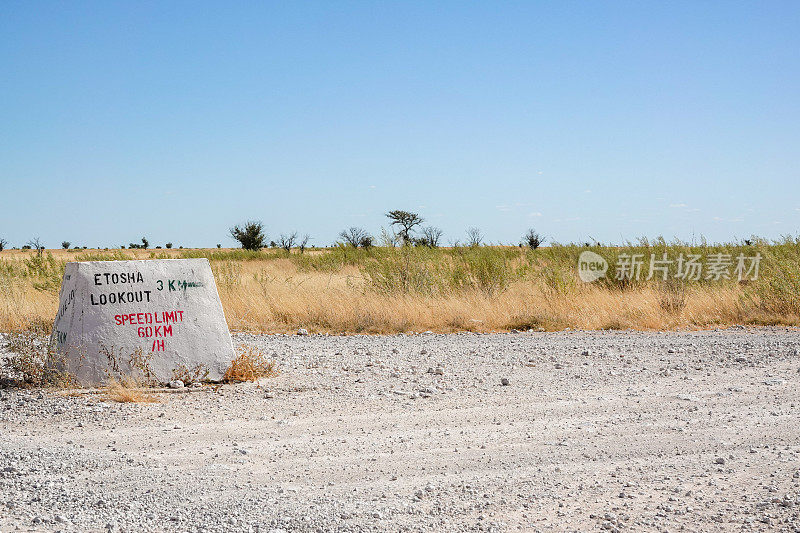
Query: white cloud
535, 214
678, 206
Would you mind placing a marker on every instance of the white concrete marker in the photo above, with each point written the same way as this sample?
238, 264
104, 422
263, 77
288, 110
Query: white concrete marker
140, 318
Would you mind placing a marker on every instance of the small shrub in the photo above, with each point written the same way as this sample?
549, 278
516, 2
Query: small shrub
45, 271
144, 246
31, 363
250, 235
532, 239
251, 364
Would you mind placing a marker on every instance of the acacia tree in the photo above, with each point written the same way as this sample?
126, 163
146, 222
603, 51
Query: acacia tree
250, 235
3, 244
37, 245
406, 221
303, 244
355, 237
474, 237
431, 236
287, 241
65, 245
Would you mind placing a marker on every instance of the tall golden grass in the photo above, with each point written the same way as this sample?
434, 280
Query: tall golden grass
387, 290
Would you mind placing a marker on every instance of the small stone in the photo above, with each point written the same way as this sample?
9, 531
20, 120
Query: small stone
176, 384
302, 332
505, 382
719, 461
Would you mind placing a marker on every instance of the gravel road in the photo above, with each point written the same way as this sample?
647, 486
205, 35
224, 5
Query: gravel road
594, 431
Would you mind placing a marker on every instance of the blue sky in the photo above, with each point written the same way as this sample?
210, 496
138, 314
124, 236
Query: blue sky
605, 120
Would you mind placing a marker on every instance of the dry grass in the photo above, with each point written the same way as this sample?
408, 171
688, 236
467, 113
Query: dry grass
190, 374
487, 289
250, 365
279, 298
127, 390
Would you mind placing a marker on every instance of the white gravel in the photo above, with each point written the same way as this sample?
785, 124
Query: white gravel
593, 431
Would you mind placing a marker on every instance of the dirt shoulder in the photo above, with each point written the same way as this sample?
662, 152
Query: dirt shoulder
622, 430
